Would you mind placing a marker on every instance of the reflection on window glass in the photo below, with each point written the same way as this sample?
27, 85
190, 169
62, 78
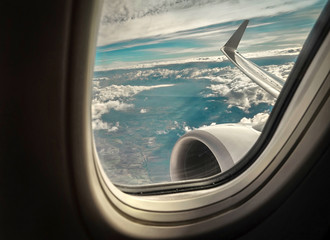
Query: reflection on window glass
159, 74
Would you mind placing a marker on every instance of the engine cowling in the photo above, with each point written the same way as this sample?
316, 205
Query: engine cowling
210, 150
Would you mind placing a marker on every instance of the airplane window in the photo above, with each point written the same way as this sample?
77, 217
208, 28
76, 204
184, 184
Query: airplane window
167, 104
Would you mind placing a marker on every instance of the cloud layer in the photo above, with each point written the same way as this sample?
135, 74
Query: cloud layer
228, 83
144, 65
242, 92
114, 97
130, 19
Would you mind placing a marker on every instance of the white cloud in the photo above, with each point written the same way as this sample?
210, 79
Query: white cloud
128, 19
162, 132
100, 108
187, 129
114, 128
257, 122
281, 71
98, 124
123, 91
274, 52
100, 78
240, 91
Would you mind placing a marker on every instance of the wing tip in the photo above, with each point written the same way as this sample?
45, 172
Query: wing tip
235, 39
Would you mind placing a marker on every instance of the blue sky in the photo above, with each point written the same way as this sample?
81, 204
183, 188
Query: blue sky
134, 32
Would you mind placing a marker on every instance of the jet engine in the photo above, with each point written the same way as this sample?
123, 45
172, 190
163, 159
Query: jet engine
210, 150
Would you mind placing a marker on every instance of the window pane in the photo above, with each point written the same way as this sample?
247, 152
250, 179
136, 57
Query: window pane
159, 74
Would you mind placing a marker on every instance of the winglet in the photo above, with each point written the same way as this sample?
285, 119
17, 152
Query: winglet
267, 81
236, 37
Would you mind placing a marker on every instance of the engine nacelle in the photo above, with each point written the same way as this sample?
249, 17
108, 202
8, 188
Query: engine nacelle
210, 150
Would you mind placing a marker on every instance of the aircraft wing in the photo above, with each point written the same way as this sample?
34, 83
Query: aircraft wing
267, 81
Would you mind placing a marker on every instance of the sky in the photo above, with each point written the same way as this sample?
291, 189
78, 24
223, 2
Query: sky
135, 32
